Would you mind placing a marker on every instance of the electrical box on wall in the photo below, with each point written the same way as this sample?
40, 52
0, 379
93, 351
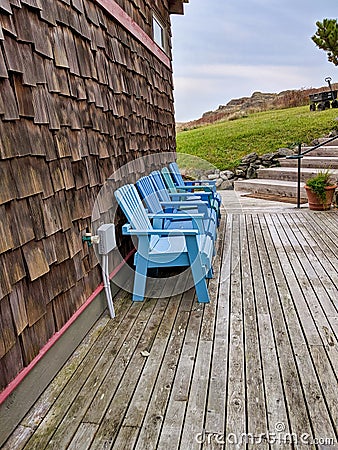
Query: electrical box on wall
107, 241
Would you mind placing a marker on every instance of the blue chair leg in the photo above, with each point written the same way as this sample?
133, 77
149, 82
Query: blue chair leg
141, 270
197, 270
210, 273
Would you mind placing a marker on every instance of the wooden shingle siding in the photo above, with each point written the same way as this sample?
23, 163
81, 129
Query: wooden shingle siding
79, 97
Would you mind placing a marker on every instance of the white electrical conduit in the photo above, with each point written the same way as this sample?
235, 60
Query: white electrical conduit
106, 242
106, 283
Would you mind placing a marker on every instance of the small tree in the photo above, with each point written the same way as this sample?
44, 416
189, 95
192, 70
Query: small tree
326, 38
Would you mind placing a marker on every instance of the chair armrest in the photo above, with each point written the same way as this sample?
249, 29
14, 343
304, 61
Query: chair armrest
201, 206
176, 216
178, 204
211, 182
197, 188
126, 229
184, 194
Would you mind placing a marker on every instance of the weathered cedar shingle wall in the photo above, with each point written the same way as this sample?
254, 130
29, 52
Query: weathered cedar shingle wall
79, 97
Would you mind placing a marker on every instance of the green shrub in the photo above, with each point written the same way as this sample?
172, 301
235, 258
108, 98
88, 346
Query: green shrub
319, 182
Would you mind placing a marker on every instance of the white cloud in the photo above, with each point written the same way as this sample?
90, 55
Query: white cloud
237, 47
211, 85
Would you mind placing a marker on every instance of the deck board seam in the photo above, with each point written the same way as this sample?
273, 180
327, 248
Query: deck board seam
294, 344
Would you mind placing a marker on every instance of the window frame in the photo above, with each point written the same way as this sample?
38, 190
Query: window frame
162, 40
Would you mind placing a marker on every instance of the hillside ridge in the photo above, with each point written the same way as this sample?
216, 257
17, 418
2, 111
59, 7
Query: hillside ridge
259, 101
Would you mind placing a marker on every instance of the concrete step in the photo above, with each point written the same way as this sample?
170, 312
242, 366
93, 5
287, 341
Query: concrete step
317, 162
279, 188
288, 173
327, 151
332, 143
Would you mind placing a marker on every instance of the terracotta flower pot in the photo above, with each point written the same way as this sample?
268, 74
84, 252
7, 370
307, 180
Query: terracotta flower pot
315, 203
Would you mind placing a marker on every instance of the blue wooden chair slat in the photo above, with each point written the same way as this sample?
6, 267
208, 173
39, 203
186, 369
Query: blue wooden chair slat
177, 176
167, 189
209, 197
163, 192
197, 184
148, 193
173, 189
164, 248
165, 198
132, 208
161, 188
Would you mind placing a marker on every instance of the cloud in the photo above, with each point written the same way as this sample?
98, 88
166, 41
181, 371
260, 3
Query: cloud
267, 76
207, 86
236, 47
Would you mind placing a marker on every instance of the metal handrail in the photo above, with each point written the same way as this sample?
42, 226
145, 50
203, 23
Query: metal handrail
299, 157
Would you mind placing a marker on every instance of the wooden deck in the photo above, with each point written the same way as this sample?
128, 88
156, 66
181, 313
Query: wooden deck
255, 365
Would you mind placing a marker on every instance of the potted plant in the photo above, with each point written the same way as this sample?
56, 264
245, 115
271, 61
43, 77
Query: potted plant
320, 190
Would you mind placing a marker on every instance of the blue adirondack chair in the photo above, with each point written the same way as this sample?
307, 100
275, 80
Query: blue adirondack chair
208, 185
166, 197
206, 195
166, 194
174, 169
158, 248
148, 193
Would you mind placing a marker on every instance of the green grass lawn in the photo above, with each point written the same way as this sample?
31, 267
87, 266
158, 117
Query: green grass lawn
225, 143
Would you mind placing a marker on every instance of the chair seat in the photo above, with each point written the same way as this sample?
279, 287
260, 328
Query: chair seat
172, 251
209, 225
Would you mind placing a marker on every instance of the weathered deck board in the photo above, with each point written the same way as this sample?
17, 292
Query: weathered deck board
255, 395
236, 401
317, 261
303, 332
216, 404
273, 383
260, 358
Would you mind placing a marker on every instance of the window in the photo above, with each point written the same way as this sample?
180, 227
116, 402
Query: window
159, 33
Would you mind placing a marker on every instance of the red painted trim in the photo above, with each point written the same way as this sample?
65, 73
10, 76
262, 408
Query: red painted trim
127, 22
19, 378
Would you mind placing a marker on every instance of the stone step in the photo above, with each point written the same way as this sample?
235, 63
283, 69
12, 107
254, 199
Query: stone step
332, 143
288, 173
317, 162
279, 188
327, 151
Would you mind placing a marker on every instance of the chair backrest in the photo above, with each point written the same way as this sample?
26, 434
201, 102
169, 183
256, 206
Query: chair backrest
131, 204
176, 174
148, 193
168, 180
159, 185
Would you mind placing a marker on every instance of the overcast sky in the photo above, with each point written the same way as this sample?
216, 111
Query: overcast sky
224, 49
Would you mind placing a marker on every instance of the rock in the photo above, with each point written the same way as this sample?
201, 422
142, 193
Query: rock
205, 172
243, 167
267, 157
219, 182
240, 173
213, 176
226, 174
284, 152
255, 165
227, 185
250, 158
251, 172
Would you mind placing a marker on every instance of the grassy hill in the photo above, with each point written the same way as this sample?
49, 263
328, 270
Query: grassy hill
223, 144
